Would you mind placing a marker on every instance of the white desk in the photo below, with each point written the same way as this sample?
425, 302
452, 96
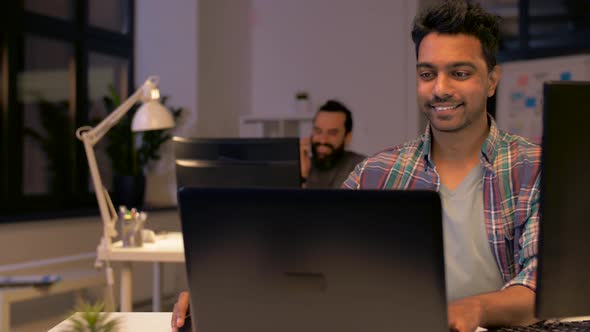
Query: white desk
160, 321
168, 248
132, 321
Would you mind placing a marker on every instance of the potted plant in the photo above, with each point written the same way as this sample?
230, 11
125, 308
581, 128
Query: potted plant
130, 154
91, 318
55, 139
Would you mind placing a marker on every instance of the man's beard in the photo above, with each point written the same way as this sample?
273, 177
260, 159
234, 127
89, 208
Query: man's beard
329, 160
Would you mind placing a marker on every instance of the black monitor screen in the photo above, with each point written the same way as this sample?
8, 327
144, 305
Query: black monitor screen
563, 280
294, 260
237, 162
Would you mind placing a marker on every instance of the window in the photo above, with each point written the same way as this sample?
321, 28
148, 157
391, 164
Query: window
542, 28
44, 96
109, 14
62, 9
57, 60
104, 71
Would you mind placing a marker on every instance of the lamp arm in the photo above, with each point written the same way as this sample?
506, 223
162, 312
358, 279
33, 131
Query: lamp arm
90, 136
109, 218
110, 121
95, 134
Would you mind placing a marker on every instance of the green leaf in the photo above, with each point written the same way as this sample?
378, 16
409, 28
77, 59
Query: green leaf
91, 318
57, 144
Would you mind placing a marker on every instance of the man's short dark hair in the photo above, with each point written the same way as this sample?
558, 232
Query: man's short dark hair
460, 16
336, 106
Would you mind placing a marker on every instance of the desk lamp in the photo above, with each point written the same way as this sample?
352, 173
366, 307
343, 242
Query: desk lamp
150, 116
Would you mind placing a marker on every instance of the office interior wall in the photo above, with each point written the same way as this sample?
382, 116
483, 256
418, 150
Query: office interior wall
224, 66
166, 34
166, 45
356, 51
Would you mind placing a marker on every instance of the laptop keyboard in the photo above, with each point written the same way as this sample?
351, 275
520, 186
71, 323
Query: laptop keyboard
546, 326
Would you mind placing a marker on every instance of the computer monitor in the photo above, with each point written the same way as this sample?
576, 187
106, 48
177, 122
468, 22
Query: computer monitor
563, 279
237, 162
296, 260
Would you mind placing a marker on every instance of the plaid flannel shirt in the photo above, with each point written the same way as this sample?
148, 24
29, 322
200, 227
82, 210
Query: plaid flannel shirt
511, 185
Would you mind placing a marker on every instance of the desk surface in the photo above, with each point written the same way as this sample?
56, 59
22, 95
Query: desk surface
160, 321
139, 321
132, 321
167, 248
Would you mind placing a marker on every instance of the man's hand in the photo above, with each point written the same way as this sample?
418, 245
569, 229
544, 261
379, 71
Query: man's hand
465, 315
513, 306
180, 311
304, 152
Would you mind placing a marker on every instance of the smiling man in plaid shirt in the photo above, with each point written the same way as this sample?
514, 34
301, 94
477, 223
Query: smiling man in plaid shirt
488, 179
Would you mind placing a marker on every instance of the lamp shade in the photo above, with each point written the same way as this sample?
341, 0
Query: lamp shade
152, 116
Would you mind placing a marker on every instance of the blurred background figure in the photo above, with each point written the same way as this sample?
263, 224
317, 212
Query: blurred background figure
325, 162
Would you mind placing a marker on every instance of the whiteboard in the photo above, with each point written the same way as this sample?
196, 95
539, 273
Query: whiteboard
519, 104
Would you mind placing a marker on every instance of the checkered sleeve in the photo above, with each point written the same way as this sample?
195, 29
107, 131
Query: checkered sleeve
528, 242
354, 179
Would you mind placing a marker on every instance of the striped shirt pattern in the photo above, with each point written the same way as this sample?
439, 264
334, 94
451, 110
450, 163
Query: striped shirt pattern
511, 184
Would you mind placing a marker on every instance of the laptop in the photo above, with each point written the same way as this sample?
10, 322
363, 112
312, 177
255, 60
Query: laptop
313, 260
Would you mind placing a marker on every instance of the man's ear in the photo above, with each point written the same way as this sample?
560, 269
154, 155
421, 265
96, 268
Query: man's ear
347, 138
493, 80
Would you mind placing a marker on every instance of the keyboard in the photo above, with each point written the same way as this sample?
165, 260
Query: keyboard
548, 326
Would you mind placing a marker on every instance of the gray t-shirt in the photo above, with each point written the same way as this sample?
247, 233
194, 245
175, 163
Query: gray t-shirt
335, 176
470, 266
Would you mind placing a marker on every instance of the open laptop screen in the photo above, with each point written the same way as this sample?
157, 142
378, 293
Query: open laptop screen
314, 260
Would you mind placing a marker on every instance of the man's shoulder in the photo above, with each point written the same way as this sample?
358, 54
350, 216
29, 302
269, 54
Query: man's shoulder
390, 168
408, 151
518, 148
518, 161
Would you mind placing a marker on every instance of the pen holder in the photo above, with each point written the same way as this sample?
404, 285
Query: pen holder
132, 223
131, 233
